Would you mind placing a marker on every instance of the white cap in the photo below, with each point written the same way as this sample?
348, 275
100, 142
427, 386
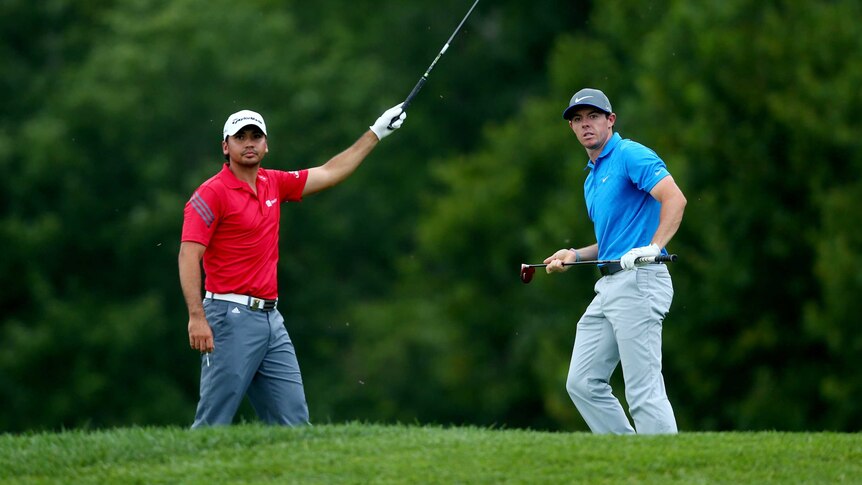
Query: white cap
240, 119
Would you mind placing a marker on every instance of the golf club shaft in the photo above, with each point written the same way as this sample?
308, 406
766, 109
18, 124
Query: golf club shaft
424, 78
646, 259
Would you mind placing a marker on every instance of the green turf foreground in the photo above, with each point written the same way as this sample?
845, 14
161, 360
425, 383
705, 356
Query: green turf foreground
363, 453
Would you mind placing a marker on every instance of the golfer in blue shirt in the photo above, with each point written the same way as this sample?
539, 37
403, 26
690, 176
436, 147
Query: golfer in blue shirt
636, 208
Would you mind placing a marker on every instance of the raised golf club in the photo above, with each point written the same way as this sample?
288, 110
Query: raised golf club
528, 270
424, 78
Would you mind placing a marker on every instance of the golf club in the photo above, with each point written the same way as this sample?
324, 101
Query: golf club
424, 77
528, 270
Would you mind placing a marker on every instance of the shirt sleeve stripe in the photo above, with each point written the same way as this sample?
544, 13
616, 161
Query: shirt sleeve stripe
200, 206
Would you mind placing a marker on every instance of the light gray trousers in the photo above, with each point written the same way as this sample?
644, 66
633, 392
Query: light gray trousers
623, 324
253, 355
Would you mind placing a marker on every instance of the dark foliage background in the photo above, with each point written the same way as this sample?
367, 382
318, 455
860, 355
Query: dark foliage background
400, 286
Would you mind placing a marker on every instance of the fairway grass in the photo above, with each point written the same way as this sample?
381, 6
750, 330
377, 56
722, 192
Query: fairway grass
365, 453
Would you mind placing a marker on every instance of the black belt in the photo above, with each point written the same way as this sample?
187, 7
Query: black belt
610, 268
263, 305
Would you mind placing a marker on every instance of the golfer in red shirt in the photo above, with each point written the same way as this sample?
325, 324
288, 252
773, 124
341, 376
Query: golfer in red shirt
231, 224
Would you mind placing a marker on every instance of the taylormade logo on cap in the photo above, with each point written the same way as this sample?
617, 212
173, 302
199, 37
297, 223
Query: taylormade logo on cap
240, 119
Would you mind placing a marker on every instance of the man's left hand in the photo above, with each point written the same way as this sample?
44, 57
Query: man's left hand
389, 121
628, 259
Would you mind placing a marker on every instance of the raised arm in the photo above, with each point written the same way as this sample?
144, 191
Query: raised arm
345, 163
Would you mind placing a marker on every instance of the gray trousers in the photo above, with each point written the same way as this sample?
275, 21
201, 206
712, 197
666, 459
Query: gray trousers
253, 355
623, 324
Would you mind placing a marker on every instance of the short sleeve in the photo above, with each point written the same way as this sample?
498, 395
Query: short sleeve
201, 216
645, 168
290, 184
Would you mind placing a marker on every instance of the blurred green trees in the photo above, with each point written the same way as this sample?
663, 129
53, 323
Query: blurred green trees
400, 286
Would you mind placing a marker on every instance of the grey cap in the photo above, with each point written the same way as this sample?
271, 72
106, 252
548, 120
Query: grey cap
587, 97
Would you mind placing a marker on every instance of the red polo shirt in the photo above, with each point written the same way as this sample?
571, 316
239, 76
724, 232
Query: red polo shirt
240, 229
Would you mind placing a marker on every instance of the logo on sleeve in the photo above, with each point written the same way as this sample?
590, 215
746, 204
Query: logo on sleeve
202, 208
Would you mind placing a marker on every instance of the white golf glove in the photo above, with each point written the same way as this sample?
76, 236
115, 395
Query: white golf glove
382, 127
628, 259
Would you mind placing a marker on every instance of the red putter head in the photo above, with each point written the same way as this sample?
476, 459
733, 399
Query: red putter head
527, 273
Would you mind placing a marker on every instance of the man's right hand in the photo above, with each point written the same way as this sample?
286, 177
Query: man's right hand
200, 334
554, 263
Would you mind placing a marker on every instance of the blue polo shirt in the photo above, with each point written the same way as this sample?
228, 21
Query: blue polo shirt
616, 190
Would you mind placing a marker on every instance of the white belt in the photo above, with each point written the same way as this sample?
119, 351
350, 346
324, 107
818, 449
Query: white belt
250, 301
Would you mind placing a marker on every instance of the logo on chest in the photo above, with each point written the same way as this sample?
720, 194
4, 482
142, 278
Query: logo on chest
271, 202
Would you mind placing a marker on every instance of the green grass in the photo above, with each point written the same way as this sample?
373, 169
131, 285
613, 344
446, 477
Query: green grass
363, 453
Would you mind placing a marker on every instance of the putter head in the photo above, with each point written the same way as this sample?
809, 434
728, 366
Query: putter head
527, 273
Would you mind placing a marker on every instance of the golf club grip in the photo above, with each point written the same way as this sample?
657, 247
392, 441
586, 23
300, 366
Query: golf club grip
665, 258
414, 92
409, 99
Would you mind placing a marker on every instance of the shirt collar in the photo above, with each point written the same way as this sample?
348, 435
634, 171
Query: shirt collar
606, 151
230, 180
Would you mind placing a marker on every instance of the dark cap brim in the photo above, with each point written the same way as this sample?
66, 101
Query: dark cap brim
570, 111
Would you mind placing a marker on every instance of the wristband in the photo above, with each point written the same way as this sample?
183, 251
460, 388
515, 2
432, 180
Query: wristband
577, 255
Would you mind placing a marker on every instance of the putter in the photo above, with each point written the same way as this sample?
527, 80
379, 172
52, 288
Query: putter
528, 270
424, 77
